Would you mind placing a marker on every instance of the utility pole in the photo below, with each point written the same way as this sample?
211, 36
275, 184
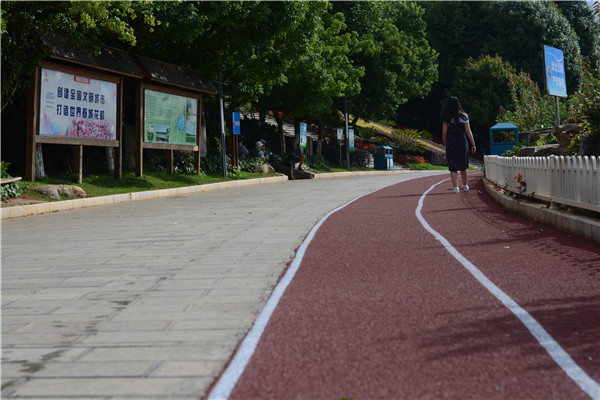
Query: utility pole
557, 111
223, 144
346, 134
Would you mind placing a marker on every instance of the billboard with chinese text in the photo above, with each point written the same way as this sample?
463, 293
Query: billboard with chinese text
169, 118
554, 65
77, 106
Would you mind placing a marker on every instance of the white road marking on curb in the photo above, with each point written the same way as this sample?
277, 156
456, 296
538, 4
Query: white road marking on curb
561, 357
228, 380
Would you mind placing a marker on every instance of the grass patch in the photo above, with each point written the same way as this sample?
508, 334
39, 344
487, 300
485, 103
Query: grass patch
104, 185
426, 167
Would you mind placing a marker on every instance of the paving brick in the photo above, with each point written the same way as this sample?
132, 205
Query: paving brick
149, 299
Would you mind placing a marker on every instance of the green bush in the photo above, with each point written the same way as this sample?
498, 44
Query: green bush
585, 103
550, 138
529, 109
388, 122
211, 164
514, 151
366, 134
183, 162
11, 190
317, 162
249, 164
405, 141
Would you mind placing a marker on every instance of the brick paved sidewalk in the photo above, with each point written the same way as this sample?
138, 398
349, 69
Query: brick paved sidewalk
149, 299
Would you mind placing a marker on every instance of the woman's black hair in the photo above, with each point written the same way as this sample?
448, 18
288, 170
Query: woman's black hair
452, 111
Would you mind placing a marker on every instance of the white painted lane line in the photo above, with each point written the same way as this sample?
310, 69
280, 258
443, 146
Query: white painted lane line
228, 380
560, 356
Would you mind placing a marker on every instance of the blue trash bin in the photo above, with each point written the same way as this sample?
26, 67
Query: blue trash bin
497, 148
383, 158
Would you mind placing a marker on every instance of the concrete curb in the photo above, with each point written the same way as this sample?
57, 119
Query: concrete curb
584, 227
43, 208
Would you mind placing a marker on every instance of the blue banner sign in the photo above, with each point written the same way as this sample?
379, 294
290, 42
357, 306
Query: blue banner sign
351, 139
303, 134
554, 65
236, 123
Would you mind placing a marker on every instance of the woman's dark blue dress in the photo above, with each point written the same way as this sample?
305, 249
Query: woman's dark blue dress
457, 146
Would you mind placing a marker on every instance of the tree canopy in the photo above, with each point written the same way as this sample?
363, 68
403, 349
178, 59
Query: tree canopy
392, 48
90, 23
514, 31
482, 85
305, 57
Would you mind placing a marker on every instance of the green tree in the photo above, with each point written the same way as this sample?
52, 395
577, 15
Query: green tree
513, 30
392, 48
252, 42
587, 27
482, 87
586, 101
320, 73
516, 31
87, 22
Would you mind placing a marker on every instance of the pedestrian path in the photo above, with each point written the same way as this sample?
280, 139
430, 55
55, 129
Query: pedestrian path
149, 299
436, 295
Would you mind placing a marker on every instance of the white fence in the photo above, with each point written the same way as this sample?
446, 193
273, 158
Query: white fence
572, 181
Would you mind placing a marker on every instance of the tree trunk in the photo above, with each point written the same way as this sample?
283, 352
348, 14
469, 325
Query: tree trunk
356, 118
297, 128
129, 147
110, 159
39, 162
279, 120
321, 137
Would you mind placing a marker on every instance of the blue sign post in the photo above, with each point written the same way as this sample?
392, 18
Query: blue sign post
234, 140
236, 123
303, 135
554, 67
351, 139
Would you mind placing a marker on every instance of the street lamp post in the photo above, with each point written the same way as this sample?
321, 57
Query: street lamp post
223, 144
346, 135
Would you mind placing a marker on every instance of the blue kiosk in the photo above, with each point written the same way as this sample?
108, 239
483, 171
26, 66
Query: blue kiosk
497, 148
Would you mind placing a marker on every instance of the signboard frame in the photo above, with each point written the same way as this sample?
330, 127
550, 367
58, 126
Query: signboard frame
33, 124
303, 134
168, 147
176, 92
237, 131
555, 72
236, 123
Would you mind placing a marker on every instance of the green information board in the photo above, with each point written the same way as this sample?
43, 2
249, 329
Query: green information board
169, 118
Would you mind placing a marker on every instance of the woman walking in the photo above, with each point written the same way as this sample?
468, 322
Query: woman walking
455, 131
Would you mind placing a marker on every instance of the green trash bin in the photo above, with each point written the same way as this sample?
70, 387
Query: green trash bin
383, 158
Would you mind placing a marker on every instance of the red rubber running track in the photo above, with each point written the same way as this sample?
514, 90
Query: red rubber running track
379, 309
